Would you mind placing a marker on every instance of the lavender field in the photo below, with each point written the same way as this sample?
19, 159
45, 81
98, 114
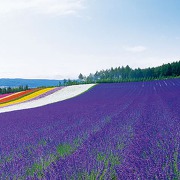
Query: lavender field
113, 131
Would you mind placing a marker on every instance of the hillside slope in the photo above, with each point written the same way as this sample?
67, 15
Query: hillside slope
113, 131
60, 95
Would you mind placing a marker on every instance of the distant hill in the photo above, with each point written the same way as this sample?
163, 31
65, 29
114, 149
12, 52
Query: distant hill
32, 83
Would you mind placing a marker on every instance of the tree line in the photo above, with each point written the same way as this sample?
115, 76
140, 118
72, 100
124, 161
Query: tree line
127, 74
6, 90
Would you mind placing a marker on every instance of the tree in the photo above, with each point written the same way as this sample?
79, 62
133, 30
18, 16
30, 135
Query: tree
123, 74
9, 90
81, 77
64, 82
26, 87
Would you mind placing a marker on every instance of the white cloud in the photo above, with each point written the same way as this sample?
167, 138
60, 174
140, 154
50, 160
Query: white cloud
136, 49
58, 7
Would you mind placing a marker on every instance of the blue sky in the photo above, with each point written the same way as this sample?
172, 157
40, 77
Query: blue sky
58, 39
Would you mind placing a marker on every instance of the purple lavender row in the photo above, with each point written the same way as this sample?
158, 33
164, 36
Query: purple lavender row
54, 127
113, 131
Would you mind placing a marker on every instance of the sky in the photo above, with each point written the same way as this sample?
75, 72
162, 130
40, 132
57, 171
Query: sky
57, 39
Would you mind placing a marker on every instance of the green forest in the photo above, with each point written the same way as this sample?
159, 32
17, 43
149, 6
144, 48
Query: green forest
127, 74
7, 90
116, 75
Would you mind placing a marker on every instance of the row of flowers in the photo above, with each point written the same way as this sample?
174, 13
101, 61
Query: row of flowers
23, 96
113, 131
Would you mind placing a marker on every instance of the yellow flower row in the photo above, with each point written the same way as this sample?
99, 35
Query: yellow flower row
28, 97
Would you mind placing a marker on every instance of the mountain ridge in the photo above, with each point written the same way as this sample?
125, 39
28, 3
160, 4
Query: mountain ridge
32, 83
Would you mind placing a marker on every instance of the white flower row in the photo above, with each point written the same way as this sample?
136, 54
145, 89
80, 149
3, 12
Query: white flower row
60, 95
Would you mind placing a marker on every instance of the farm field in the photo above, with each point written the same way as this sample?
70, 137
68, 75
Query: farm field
41, 97
112, 131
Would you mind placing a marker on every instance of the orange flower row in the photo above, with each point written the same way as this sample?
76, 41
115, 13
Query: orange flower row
17, 95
